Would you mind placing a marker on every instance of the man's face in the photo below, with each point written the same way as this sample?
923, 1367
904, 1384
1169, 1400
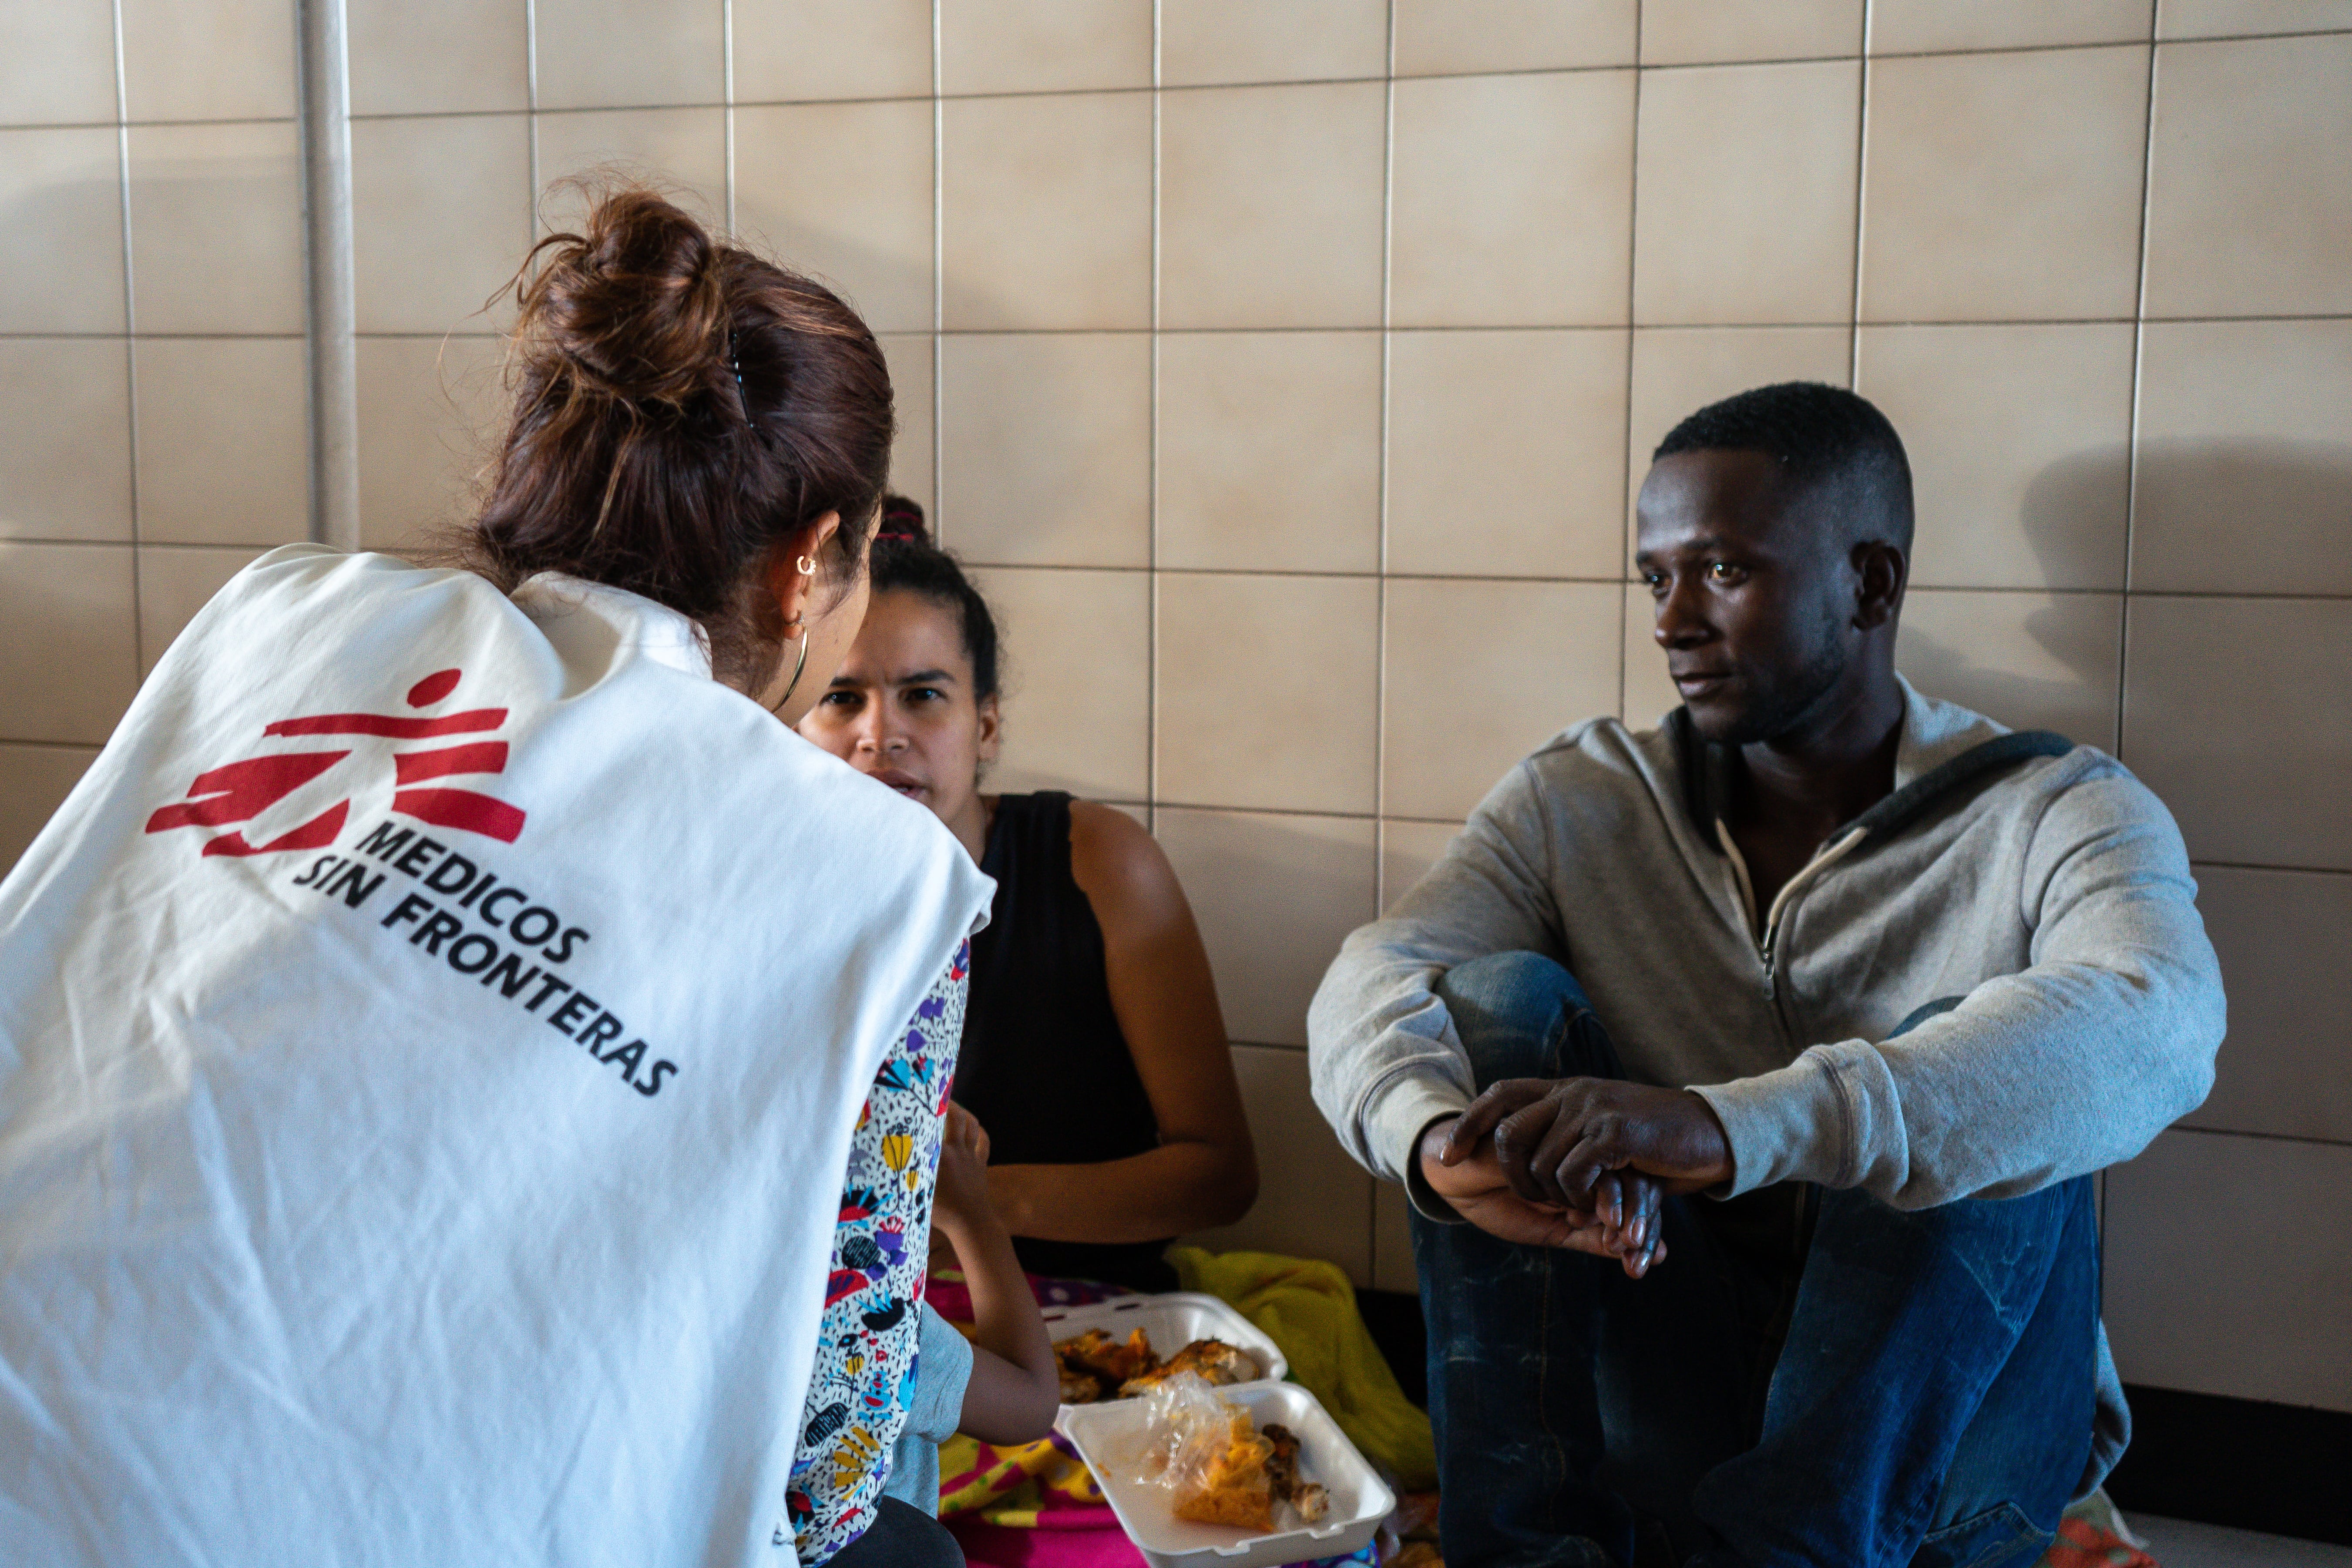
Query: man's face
1754, 599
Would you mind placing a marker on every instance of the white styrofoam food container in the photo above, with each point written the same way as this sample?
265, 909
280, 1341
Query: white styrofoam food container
1111, 1438
1172, 1321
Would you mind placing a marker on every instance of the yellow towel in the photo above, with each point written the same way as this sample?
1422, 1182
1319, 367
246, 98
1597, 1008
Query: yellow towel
1308, 1308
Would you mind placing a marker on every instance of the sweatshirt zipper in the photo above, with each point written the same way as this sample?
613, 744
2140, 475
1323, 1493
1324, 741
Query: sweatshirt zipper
1768, 944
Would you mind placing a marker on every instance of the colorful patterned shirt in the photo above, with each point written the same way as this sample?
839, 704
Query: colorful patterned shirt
863, 1380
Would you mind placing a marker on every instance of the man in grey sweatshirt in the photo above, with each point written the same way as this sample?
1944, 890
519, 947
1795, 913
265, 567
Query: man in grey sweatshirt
1746, 1074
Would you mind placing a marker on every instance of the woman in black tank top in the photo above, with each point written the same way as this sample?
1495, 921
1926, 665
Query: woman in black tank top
1094, 1053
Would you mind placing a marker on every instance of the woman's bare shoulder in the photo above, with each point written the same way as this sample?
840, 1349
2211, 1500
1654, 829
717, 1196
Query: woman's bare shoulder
1119, 866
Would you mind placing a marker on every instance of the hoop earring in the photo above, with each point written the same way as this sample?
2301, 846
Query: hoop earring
806, 567
798, 664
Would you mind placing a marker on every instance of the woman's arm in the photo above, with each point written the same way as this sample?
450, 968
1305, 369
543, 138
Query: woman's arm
1015, 1386
1204, 1172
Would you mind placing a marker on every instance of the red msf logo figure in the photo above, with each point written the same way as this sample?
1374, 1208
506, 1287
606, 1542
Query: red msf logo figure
243, 790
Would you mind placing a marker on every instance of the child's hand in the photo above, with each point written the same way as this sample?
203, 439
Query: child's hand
961, 1198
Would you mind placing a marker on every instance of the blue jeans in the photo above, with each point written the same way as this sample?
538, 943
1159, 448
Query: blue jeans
1810, 1377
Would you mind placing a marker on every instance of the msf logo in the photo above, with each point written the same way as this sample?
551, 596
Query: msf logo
242, 790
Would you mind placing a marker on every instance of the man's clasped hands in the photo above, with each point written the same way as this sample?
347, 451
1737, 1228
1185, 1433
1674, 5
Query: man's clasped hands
1580, 1162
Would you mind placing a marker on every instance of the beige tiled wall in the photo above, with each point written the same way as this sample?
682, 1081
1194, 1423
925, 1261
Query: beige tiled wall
1288, 371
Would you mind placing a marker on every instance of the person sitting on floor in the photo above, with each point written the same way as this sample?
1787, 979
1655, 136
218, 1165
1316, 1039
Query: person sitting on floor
1094, 1050
1921, 975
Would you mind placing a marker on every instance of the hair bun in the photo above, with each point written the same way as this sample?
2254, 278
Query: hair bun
901, 519
635, 302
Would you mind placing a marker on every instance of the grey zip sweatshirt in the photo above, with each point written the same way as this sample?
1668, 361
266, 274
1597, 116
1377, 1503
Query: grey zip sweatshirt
2050, 892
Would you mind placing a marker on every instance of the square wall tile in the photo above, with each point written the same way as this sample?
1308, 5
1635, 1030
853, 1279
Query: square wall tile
1270, 201
620, 53
2004, 186
1077, 678
34, 782
68, 650
64, 438
912, 455
2198, 1298
1313, 1201
2245, 457
175, 583
224, 440
431, 410
1267, 690
1043, 46
2210, 18
1744, 208
1046, 449
227, 59
1204, 43
1047, 216
682, 152
1649, 695
1899, 27
843, 190
2285, 942
1690, 32
1679, 371
1440, 38
833, 48
2249, 204
1513, 200
441, 215
2228, 716
1275, 896
1408, 849
2033, 662
61, 240
59, 67
216, 228
1504, 453
1392, 1267
1480, 674
1269, 451
438, 56
2018, 438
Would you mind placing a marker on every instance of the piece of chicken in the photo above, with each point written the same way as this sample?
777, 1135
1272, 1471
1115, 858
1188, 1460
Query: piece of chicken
1095, 1357
1282, 1474
1218, 1364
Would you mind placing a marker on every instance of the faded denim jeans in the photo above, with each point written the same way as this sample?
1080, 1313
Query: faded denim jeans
1810, 1376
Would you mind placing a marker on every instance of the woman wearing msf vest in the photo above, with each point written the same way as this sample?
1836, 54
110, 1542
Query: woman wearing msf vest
470, 1074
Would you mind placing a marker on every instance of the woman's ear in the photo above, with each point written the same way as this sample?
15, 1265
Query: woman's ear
992, 728
789, 573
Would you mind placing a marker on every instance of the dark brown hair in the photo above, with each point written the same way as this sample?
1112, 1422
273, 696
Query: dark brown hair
906, 559
680, 407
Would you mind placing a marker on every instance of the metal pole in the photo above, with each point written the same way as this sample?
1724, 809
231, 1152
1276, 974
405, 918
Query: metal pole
327, 225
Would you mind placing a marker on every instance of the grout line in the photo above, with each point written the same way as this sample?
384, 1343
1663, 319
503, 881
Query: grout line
1626, 492
2132, 434
938, 290
530, 111
2265, 1137
1152, 460
1861, 178
1380, 593
129, 338
2196, 863
727, 86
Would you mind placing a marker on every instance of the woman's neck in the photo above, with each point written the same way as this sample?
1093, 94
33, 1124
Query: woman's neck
971, 824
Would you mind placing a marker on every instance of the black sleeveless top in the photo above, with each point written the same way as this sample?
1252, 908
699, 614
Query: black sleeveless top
1044, 1066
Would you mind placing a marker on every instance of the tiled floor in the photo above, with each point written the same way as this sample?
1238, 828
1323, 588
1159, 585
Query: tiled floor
2176, 1544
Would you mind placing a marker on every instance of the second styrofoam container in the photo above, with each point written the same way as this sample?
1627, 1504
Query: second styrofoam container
1110, 1439
1172, 1321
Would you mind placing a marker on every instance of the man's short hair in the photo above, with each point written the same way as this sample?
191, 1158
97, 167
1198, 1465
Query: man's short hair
1822, 437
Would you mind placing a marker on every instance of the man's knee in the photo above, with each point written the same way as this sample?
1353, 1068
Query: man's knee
1507, 1007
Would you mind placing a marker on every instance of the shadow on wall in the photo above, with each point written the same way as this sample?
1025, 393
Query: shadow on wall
2208, 516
